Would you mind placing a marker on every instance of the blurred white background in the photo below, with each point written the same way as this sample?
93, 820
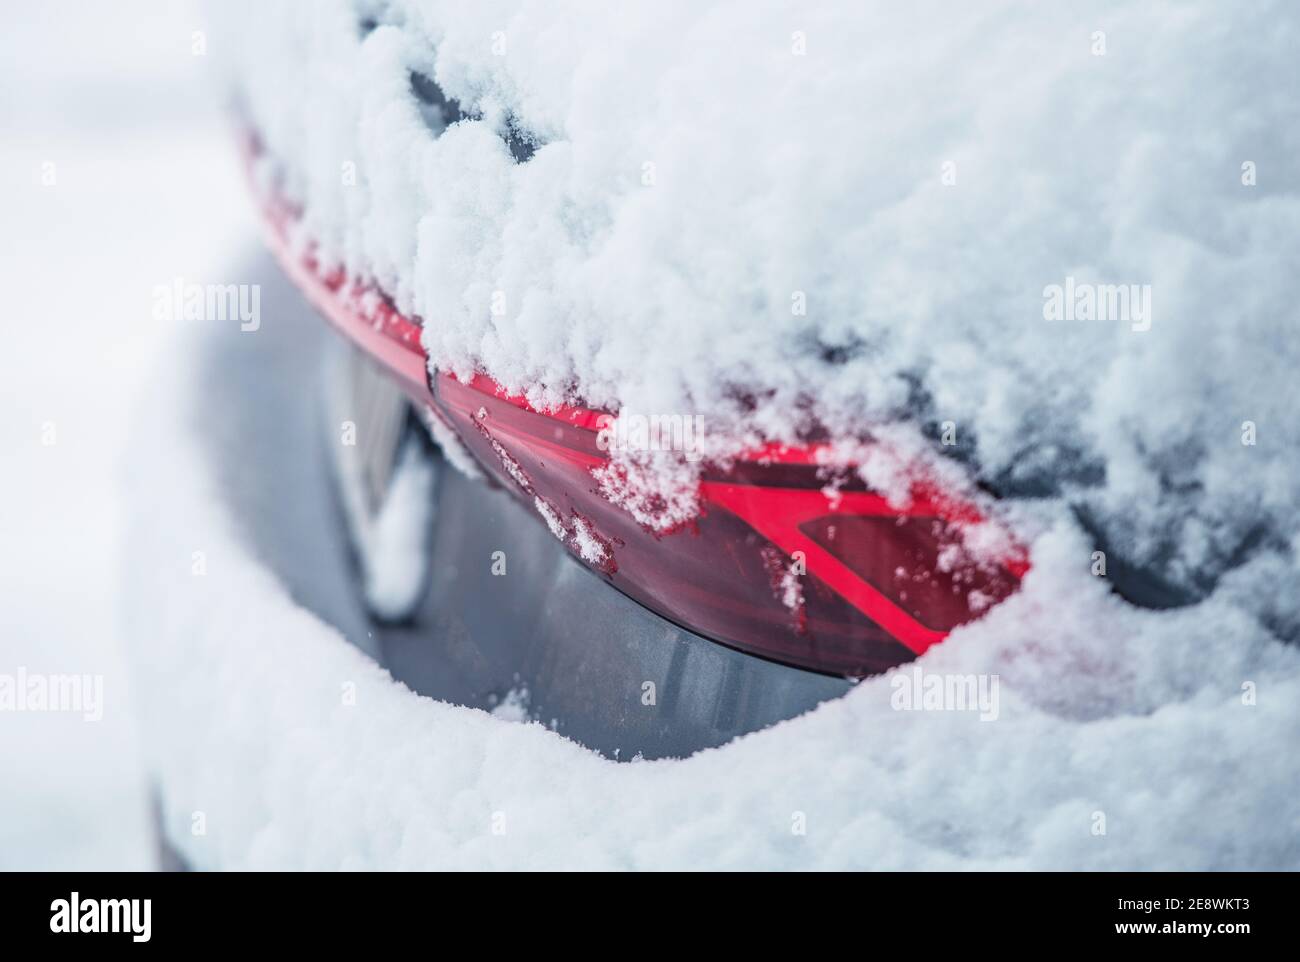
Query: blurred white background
112, 104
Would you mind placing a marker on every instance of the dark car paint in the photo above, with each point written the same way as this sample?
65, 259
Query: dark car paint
597, 667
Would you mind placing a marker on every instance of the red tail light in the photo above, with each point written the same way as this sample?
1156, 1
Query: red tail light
768, 563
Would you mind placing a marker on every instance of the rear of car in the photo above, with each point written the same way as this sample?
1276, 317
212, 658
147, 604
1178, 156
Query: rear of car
577, 563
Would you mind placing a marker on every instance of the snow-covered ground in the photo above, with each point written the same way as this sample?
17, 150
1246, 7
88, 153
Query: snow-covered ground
1123, 738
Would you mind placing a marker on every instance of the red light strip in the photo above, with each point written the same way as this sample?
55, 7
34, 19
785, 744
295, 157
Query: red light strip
776, 514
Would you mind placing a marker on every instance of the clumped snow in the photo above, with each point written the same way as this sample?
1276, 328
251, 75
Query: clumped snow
551, 516
776, 214
579, 534
513, 706
659, 489
591, 547
776, 175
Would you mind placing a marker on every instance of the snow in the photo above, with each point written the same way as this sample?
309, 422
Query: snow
513, 706
396, 553
1177, 728
591, 548
299, 752
451, 446
578, 533
144, 189
656, 488
1124, 738
551, 517
390, 538
848, 213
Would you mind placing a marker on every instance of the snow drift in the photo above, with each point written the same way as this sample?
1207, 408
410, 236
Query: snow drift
278, 744
643, 192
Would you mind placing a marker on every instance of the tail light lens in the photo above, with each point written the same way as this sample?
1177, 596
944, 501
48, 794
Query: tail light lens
767, 563
770, 564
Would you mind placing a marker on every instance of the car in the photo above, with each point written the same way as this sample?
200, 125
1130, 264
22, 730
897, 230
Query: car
625, 382
510, 558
